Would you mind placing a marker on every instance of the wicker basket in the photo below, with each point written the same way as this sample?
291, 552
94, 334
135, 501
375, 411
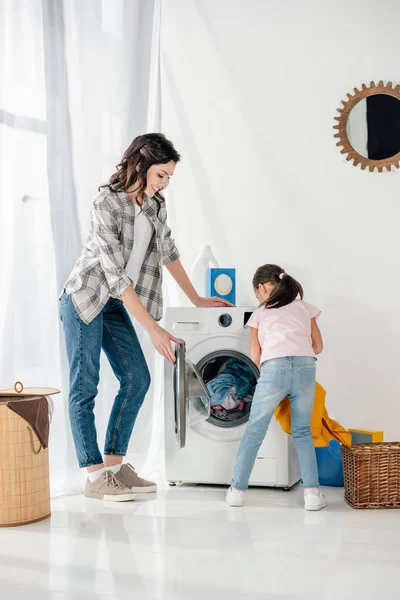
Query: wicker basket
372, 475
24, 472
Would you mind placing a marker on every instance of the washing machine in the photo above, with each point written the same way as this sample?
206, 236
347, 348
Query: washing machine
200, 446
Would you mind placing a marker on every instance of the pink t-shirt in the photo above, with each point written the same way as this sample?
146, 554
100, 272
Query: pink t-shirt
284, 331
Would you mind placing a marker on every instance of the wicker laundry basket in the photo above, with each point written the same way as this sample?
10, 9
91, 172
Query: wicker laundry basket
24, 461
372, 475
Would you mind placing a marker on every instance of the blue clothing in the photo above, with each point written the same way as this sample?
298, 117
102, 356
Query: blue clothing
219, 388
236, 374
293, 376
243, 374
113, 331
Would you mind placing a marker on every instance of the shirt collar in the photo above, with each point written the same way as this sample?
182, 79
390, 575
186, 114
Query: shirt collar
149, 203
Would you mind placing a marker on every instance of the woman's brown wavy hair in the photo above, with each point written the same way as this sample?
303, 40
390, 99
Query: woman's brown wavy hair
145, 150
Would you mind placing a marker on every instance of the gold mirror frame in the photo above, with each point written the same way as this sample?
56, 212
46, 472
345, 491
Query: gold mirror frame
341, 126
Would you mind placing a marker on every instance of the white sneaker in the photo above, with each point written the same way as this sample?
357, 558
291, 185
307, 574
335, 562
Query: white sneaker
314, 501
235, 497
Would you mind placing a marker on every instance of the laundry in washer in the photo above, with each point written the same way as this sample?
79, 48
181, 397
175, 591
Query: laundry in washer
230, 390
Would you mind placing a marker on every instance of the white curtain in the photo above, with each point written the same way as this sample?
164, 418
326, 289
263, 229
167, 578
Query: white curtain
78, 85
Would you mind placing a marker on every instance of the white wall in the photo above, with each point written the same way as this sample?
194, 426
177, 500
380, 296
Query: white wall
249, 93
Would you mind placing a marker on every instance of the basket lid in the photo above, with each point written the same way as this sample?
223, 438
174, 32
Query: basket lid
19, 391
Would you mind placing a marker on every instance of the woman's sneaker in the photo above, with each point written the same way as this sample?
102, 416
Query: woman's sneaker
314, 501
235, 497
128, 477
108, 488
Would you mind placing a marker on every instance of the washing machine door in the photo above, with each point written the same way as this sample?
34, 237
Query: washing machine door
192, 400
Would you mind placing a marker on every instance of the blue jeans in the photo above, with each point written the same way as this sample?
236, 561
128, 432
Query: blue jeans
113, 331
281, 377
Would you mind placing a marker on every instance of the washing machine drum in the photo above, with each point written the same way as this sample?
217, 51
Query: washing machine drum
224, 368
192, 384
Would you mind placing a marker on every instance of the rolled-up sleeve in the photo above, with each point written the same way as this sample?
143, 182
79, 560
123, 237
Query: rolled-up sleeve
169, 250
105, 230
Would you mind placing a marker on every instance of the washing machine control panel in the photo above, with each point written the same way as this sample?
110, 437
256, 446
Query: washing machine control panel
195, 321
246, 317
186, 326
225, 320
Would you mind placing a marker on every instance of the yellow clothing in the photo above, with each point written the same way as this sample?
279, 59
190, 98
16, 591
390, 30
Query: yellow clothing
323, 428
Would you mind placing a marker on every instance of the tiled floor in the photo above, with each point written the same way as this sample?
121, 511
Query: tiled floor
186, 543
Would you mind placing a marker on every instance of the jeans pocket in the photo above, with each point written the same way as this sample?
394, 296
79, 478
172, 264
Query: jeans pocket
307, 378
272, 379
62, 303
64, 299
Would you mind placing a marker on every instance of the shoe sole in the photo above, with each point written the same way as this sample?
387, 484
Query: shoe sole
144, 490
111, 497
315, 508
234, 505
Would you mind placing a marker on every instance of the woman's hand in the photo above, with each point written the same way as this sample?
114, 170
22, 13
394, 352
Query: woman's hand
181, 278
161, 341
211, 302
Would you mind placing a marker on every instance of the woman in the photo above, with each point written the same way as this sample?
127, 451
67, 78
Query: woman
120, 270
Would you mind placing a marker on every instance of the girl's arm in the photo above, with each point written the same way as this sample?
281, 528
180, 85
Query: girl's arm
179, 274
316, 337
255, 348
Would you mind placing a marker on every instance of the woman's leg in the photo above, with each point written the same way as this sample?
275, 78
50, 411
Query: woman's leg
272, 387
122, 347
83, 345
302, 403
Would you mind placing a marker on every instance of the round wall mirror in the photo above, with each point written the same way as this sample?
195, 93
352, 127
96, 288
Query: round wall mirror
368, 127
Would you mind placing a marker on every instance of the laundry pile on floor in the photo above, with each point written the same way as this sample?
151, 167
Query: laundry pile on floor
231, 390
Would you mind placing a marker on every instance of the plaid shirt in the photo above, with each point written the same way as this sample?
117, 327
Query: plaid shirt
100, 270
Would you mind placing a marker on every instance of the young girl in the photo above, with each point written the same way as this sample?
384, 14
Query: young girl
285, 340
120, 269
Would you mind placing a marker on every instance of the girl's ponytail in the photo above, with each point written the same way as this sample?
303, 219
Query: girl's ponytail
286, 290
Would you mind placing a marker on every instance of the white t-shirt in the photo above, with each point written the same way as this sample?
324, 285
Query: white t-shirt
284, 331
141, 240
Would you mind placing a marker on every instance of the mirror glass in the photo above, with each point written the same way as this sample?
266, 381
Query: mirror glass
373, 127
